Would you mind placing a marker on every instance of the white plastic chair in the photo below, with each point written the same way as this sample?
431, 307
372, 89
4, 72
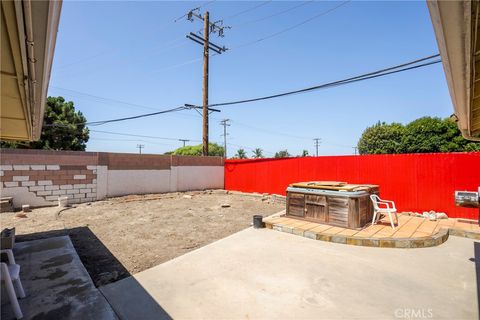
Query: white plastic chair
10, 275
388, 208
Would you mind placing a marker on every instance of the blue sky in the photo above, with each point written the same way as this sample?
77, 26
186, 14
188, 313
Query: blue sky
134, 52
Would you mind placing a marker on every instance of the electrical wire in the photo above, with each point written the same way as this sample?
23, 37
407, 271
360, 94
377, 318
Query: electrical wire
118, 103
132, 140
103, 99
274, 14
141, 136
366, 76
293, 26
248, 10
99, 123
260, 39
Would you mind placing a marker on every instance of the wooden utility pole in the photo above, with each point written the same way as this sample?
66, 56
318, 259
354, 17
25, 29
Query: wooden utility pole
208, 27
206, 32
140, 147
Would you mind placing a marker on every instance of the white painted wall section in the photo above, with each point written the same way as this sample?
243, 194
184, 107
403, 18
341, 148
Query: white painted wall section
125, 182
199, 177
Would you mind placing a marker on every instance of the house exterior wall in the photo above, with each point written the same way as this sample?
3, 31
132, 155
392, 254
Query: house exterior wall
38, 177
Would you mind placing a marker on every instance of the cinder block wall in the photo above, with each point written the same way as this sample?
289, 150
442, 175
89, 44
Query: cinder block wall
39, 177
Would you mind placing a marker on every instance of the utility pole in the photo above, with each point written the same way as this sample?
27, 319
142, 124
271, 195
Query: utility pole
183, 140
140, 147
317, 143
225, 124
355, 148
214, 27
206, 35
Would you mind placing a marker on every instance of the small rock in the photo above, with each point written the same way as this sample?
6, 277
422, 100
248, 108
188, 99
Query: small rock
21, 214
26, 208
225, 205
187, 196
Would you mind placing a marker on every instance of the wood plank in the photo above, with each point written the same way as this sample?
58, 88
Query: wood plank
307, 226
348, 232
419, 234
408, 229
333, 230
321, 228
370, 231
428, 227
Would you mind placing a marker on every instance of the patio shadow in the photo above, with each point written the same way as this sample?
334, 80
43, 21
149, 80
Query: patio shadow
101, 264
49, 284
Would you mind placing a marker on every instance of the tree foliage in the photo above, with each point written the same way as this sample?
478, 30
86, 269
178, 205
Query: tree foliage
63, 128
257, 153
213, 150
427, 134
282, 154
304, 153
241, 154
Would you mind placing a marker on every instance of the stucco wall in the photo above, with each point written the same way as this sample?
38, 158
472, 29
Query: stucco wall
38, 177
123, 182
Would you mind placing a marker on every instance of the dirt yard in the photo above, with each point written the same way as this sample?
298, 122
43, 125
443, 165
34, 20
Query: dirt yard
122, 236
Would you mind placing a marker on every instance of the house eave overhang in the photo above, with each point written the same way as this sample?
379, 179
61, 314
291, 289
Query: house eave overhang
29, 32
456, 28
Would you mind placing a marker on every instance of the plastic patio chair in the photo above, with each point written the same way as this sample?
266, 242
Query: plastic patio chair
385, 207
10, 275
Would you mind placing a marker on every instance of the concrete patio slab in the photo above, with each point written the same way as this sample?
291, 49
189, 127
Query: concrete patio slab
56, 283
263, 274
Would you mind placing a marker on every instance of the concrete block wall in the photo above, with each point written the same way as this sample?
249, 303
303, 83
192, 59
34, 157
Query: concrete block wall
39, 177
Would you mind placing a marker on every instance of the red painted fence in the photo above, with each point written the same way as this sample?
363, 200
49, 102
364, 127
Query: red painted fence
416, 182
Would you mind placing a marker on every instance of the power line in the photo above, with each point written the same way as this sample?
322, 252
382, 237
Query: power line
131, 140
293, 27
379, 73
275, 14
140, 136
249, 9
366, 76
98, 123
260, 39
102, 99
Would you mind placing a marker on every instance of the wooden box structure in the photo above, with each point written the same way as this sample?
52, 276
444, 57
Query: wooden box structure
334, 203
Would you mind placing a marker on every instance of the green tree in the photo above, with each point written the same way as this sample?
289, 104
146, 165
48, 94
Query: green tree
213, 150
63, 128
241, 154
382, 138
305, 153
282, 154
257, 153
427, 134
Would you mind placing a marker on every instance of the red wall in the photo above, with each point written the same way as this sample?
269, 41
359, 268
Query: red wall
416, 182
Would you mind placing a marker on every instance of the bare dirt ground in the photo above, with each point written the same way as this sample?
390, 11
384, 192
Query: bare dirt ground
122, 236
